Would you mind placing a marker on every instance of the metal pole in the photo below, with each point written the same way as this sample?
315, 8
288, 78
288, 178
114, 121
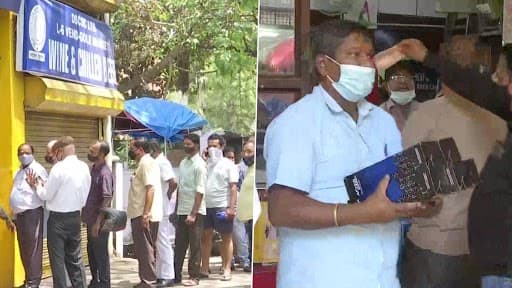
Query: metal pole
165, 147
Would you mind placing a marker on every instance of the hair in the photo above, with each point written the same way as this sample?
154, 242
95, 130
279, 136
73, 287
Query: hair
64, 141
142, 143
104, 148
154, 146
329, 35
229, 149
216, 136
192, 137
400, 66
23, 144
250, 140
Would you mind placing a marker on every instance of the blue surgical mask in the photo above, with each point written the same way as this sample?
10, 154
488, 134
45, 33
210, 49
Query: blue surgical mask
355, 83
26, 159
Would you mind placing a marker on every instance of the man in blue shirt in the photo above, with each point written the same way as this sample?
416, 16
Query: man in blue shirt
310, 148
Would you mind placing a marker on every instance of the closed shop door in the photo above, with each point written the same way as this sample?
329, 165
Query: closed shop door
43, 127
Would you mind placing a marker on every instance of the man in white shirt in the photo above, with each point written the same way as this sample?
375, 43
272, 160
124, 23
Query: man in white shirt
65, 194
166, 230
220, 199
28, 212
145, 209
310, 148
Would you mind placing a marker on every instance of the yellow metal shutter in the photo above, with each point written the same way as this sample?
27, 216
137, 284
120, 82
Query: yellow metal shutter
43, 127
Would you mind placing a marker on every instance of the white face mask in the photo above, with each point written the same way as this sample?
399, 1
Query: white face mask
355, 83
214, 155
26, 159
403, 97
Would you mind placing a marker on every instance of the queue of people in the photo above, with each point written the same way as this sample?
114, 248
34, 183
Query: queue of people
169, 215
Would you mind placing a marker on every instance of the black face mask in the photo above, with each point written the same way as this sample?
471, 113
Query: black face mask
50, 159
249, 161
92, 158
188, 150
132, 154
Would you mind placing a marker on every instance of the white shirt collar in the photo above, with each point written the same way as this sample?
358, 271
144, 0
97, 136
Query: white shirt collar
363, 106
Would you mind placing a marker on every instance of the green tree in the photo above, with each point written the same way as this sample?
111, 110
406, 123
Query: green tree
204, 50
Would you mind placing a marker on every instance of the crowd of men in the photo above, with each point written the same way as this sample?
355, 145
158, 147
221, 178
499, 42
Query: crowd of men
325, 242
168, 215
206, 200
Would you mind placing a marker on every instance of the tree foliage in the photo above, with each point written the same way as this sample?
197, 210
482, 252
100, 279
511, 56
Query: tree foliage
203, 49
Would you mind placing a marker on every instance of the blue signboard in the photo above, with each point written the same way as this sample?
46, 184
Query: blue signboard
12, 5
61, 42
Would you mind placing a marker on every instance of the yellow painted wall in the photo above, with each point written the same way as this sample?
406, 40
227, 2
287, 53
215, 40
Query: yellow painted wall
12, 127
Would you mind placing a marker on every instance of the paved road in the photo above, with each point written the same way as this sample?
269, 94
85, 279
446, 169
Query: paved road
124, 275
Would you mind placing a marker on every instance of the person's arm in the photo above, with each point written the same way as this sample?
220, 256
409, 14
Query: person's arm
173, 185
107, 187
468, 82
7, 219
291, 208
200, 183
150, 178
233, 190
46, 190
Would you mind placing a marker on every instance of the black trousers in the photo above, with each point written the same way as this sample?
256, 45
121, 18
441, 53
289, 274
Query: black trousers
64, 249
425, 269
188, 236
29, 225
99, 260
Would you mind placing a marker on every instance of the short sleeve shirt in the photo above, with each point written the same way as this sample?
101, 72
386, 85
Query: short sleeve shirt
311, 147
102, 187
219, 178
166, 174
192, 180
147, 173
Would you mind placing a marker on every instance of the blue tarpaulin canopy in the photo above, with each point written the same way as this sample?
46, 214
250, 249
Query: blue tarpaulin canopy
165, 118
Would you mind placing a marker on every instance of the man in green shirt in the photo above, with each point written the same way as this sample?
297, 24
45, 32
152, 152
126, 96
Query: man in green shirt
190, 211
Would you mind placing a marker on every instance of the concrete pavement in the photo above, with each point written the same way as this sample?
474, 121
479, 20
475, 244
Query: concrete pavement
124, 275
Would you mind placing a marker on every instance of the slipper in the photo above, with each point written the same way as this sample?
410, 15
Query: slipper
190, 282
225, 278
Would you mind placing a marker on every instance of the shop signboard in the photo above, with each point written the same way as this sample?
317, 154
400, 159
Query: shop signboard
58, 41
11, 5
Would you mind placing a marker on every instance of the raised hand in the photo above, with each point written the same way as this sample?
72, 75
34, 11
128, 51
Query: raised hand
413, 49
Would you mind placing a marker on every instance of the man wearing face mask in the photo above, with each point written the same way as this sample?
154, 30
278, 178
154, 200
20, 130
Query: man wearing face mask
28, 211
399, 84
166, 230
220, 197
145, 209
65, 194
50, 157
323, 240
247, 194
100, 196
190, 210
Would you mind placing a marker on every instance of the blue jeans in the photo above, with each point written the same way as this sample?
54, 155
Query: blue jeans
241, 241
492, 281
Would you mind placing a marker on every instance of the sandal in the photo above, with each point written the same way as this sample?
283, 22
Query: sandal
190, 282
225, 278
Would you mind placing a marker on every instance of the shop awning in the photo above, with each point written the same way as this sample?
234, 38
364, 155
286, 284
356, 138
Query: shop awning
50, 95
